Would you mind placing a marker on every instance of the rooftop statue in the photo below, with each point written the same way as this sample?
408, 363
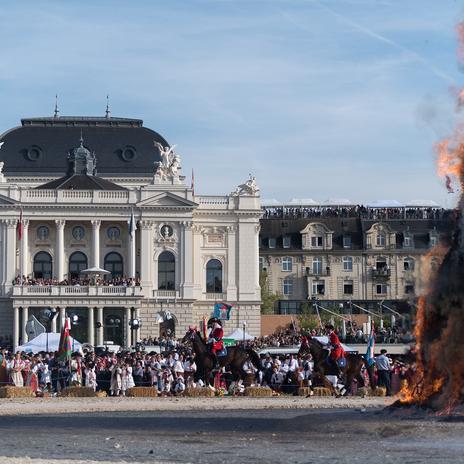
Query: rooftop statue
248, 188
169, 166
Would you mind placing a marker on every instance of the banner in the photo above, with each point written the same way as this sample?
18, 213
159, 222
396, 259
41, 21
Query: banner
222, 311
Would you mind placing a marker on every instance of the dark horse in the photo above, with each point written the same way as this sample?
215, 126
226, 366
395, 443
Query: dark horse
234, 360
324, 367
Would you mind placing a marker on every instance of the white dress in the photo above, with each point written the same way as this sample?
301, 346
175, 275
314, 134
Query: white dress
127, 379
90, 378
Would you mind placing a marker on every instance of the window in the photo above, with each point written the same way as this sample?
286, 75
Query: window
408, 264
287, 264
43, 233
77, 263
433, 240
347, 241
409, 288
288, 286
114, 264
407, 241
316, 241
113, 233
78, 233
381, 240
286, 241
318, 288
289, 307
317, 266
214, 276
272, 243
347, 263
348, 287
381, 264
381, 289
42, 265
166, 271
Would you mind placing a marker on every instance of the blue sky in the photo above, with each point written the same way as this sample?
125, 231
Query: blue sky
318, 99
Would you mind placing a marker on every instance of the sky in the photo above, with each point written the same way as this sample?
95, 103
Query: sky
318, 99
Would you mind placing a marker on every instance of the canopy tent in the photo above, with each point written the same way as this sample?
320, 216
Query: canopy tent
422, 204
237, 335
385, 204
338, 202
40, 343
302, 202
270, 203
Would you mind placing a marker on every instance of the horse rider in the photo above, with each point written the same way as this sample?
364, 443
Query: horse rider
336, 351
304, 344
215, 341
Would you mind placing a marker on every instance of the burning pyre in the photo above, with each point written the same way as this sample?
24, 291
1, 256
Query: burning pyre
439, 331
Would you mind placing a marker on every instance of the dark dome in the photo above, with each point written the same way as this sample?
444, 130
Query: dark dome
40, 146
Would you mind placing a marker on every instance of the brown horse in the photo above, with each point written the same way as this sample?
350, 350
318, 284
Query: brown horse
324, 367
234, 360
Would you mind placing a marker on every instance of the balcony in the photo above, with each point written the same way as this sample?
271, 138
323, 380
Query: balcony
166, 294
215, 296
75, 290
76, 196
381, 273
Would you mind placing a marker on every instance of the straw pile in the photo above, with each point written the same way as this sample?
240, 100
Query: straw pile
199, 392
258, 391
16, 392
142, 392
322, 391
101, 394
78, 392
304, 391
378, 391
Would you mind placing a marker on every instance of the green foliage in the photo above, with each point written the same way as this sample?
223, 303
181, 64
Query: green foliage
268, 298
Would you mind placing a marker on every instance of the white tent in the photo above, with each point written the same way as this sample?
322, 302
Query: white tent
237, 334
324, 340
40, 343
302, 202
338, 202
385, 204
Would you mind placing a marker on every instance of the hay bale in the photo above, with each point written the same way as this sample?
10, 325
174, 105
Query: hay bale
78, 392
304, 391
101, 394
258, 391
362, 392
322, 391
10, 391
142, 392
378, 391
199, 392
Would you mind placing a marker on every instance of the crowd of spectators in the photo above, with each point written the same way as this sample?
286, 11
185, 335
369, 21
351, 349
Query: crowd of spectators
105, 282
357, 211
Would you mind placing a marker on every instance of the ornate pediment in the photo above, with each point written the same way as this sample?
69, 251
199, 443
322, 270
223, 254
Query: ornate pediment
4, 200
166, 200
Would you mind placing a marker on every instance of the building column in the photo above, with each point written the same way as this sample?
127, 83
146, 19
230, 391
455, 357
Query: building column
146, 256
62, 316
187, 260
24, 337
24, 252
53, 324
59, 249
137, 331
128, 327
10, 269
96, 242
131, 253
231, 255
90, 327
100, 329
15, 328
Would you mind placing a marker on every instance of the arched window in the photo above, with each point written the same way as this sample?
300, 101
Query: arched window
77, 263
42, 265
114, 264
166, 271
214, 276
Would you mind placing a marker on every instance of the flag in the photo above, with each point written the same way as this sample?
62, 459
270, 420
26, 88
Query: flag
65, 346
193, 183
19, 227
132, 226
369, 356
222, 311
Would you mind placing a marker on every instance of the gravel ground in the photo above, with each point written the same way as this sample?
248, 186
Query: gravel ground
77, 405
230, 430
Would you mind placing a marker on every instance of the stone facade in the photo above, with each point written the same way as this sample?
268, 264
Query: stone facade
96, 224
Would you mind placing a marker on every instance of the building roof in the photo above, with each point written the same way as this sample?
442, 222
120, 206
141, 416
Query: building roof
40, 145
80, 182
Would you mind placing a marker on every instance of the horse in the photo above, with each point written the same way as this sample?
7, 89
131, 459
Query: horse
324, 367
234, 360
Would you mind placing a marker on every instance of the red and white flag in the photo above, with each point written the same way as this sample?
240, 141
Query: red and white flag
19, 227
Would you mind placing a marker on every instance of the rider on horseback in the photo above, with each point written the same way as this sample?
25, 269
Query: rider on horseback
215, 340
336, 351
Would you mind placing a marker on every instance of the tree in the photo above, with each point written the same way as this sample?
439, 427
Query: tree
307, 320
268, 298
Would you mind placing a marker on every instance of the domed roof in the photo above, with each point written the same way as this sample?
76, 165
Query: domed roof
39, 147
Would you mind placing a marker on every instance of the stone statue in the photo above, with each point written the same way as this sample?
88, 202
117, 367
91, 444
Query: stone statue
248, 188
169, 165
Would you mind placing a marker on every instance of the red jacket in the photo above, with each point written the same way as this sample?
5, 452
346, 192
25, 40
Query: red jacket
337, 350
216, 335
